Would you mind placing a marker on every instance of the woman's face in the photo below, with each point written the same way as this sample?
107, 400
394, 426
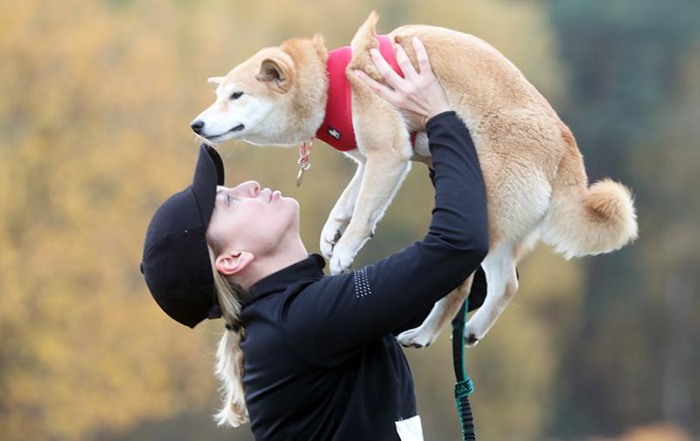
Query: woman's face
248, 218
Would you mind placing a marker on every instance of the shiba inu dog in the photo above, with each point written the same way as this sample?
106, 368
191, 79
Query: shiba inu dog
535, 179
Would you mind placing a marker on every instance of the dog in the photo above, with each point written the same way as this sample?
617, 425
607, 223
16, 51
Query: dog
535, 179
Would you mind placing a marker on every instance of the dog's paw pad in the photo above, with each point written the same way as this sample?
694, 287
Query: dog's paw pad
327, 248
470, 340
330, 236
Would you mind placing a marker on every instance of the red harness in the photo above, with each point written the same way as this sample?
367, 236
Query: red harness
337, 130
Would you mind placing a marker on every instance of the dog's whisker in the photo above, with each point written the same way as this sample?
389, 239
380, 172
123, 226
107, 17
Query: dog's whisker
232, 149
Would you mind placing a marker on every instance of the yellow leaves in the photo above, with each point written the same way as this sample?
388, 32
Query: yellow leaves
661, 431
96, 102
91, 148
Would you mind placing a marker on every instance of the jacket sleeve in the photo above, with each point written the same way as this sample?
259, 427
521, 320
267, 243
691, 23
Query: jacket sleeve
477, 295
332, 319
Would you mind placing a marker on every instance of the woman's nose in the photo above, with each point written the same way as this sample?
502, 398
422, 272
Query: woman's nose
252, 188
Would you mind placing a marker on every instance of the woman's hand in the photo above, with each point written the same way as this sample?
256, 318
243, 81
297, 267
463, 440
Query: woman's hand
419, 95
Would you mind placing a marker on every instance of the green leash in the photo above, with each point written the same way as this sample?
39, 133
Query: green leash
464, 386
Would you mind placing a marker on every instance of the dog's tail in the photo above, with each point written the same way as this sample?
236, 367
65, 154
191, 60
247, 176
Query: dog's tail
584, 220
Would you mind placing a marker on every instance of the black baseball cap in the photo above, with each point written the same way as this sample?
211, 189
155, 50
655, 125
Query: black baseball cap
176, 263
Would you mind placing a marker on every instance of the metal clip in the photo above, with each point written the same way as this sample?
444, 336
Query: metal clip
304, 162
303, 167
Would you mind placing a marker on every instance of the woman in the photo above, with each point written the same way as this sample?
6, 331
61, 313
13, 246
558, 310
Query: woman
309, 356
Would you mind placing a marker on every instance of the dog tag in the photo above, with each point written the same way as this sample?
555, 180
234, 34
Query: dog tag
303, 167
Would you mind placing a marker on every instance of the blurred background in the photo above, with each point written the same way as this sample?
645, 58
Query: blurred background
96, 97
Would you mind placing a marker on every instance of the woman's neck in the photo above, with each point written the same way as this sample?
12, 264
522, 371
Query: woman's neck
287, 253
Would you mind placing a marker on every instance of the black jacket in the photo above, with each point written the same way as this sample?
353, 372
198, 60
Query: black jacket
321, 360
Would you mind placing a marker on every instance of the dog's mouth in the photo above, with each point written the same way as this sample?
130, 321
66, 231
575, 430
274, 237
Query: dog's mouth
237, 128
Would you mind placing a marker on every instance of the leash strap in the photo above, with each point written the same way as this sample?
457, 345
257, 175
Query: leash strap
464, 386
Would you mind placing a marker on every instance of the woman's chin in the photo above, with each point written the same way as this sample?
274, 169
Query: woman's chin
291, 201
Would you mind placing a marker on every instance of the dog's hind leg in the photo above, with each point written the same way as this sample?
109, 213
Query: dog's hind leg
340, 216
442, 313
501, 285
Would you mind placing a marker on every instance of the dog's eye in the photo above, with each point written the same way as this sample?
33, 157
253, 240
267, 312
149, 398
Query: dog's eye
236, 95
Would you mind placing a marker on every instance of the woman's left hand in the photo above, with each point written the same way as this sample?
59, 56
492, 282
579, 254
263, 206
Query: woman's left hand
419, 95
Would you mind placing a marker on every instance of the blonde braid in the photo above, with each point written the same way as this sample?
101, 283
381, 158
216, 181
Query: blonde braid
229, 355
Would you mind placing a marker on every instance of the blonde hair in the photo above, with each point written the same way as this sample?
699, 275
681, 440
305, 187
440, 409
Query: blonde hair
229, 355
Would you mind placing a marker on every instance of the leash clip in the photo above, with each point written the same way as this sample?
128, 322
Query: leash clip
304, 162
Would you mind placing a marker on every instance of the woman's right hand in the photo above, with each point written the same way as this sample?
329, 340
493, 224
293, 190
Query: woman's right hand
419, 95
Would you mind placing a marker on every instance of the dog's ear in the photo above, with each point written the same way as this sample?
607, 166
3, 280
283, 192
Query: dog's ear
277, 73
216, 81
320, 45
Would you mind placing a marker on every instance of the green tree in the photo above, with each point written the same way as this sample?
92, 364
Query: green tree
625, 71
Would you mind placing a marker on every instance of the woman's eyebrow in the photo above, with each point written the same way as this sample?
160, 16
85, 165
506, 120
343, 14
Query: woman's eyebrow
220, 191
217, 199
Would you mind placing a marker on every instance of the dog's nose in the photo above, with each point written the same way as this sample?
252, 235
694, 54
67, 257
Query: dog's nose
197, 126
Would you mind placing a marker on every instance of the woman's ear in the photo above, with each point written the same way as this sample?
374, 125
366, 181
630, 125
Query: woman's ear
234, 262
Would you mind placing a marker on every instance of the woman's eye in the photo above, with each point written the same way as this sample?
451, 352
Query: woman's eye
236, 95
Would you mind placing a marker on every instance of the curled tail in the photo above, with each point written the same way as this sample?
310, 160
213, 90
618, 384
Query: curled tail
584, 220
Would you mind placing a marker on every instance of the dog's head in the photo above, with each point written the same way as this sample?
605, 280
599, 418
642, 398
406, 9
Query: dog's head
276, 97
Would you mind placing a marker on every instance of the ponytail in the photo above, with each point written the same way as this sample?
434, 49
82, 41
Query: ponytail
229, 355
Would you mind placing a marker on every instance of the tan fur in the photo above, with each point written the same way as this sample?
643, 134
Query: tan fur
534, 175
443, 313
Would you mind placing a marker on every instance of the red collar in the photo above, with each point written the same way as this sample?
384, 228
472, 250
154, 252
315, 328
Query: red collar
337, 129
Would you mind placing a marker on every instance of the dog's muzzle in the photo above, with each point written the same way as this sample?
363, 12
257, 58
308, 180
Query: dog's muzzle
198, 128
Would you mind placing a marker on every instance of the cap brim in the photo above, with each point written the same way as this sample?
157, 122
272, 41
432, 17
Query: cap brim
208, 173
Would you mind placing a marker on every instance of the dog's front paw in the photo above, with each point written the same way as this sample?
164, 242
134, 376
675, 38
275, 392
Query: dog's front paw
341, 260
331, 234
417, 338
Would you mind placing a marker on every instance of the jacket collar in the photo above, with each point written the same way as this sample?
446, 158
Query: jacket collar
309, 268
